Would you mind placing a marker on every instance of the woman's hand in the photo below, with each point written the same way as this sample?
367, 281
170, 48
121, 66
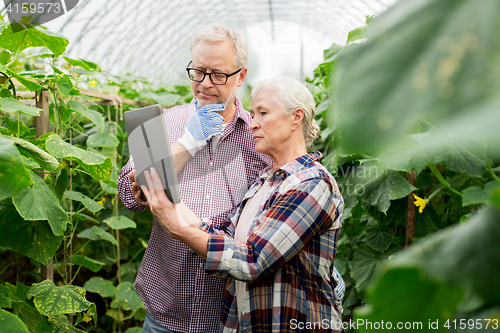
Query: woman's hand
173, 218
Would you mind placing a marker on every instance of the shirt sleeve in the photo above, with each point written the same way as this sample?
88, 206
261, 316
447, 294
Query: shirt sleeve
297, 216
125, 188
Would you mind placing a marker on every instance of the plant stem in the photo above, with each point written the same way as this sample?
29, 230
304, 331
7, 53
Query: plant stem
439, 176
18, 49
491, 171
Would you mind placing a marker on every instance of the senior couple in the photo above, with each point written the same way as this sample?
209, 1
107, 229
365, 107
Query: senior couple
251, 246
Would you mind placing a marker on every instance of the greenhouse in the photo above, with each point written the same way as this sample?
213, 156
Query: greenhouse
249, 166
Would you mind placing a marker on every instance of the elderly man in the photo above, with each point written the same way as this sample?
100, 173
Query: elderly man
215, 156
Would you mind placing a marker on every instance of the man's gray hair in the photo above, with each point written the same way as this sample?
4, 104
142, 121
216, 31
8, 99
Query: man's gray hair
291, 94
217, 32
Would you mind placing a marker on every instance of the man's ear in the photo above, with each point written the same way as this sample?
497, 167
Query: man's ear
298, 116
241, 76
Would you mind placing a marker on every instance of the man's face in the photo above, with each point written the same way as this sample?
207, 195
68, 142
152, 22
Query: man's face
212, 57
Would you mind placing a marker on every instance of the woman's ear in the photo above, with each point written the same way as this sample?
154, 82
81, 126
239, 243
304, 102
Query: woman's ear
298, 116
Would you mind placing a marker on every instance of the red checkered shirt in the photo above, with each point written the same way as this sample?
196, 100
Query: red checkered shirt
171, 280
287, 260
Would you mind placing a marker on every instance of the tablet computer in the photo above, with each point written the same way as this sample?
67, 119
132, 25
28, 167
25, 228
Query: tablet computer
150, 147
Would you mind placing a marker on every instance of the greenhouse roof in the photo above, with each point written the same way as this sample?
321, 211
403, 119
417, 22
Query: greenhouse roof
151, 38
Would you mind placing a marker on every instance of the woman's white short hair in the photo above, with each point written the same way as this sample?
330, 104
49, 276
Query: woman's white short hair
217, 32
291, 95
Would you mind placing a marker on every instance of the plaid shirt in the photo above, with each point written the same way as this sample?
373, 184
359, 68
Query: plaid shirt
287, 260
171, 280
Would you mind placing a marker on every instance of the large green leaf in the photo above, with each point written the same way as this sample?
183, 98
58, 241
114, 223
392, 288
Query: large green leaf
94, 116
16, 127
463, 160
103, 287
33, 37
433, 59
379, 239
32, 239
92, 264
40, 203
11, 323
363, 266
9, 105
23, 307
13, 174
44, 159
4, 297
51, 300
405, 295
64, 85
90, 204
390, 185
98, 166
129, 298
120, 222
102, 140
104, 235
467, 254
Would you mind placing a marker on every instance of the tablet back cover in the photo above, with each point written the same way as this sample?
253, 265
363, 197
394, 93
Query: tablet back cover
150, 147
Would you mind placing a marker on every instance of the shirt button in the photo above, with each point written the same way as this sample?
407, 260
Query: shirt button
211, 163
208, 197
202, 265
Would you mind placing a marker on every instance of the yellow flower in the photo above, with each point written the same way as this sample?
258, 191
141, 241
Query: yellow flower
420, 203
87, 319
103, 199
92, 83
63, 164
100, 203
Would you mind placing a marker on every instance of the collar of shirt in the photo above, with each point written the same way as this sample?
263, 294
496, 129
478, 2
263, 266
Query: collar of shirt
283, 172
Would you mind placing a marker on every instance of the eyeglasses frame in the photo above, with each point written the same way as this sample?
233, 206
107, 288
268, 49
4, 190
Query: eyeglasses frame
210, 75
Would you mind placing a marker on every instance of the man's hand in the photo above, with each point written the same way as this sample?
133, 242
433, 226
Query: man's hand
203, 125
136, 190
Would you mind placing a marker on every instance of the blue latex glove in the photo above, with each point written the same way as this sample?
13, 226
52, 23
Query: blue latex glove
203, 125
339, 291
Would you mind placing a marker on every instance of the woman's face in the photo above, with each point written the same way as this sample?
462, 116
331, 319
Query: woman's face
271, 125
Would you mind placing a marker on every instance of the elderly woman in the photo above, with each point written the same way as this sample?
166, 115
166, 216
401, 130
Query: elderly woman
278, 247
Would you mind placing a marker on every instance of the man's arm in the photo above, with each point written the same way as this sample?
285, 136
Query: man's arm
181, 156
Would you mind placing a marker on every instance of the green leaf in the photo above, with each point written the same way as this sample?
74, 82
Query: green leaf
4, 57
13, 174
23, 307
10, 105
40, 203
64, 85
16, 127
129, 298
104, 235
467, 254
89, 234
120, 222
32, 86
164, 98
103, 287
33, 37
4, 297
90, 204
92, 264
405, 294
43, 158
474, 195
390, 185
356, 34
102, 140
464, 161
32, 239
98, 166
44, 326
134, 330
94, 116
75, 62
379, 239
11, 323
51, 300
62, 325
421, 62
363, 266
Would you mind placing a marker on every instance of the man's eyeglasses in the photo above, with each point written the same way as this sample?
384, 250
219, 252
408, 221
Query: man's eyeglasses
216, 77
